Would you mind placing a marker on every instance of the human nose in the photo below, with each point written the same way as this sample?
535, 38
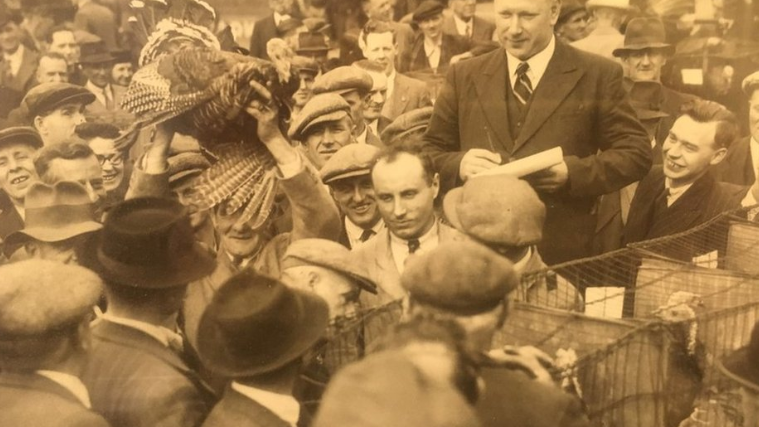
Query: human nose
514, 25
645, 59
399, 209
358, 195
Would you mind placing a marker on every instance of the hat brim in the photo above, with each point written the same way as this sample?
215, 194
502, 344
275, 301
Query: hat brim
330, 117
48, 235
736, 367
451, 202
346, 175
100, 58
304, 334
622, 51
20, 135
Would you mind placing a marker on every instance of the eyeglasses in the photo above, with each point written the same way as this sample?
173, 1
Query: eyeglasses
114, 159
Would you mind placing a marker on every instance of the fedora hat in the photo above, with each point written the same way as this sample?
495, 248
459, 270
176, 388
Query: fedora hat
742, 366
54, 213
311, 43
95, 53
255, 325
148, 242
644, 33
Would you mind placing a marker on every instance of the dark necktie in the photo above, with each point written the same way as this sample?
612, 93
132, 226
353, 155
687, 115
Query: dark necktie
523, 86
366, 235
660, 204
413, 245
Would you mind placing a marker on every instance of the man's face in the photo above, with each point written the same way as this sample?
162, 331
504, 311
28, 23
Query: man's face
644, 64
689, 150
303, 94
356, 103
355, 198
65, 44
60, 125
17, 171
238, 238
575, 27
84, 171
184, 192
111, 162
525, 27
432, 27
122, 73
380, 48
338, 290
283, 7
753, 114
404, 197
10, 37
52, 70
374, 102
98, 74
379, 10
64, 251
324, 139
464, 9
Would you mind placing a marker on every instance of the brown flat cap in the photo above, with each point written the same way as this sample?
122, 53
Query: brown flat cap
49, 96
497, 209
349, 161
462, 277
427, 9
186, 164
20, 134
342, 80
414, 121
325, 107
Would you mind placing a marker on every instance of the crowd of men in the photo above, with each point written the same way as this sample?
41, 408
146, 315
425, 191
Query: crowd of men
123, 304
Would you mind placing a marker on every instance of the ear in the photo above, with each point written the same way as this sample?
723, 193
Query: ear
718, 156
436, 184
313, 278
39, 124
32, 249
555, 9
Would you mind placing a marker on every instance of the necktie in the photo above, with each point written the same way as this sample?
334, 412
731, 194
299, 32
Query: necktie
366, 235
108, 99
469, 30
413, 245
523, 86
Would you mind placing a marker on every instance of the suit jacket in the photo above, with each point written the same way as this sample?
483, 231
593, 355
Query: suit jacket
135, 381
10, 220
482, 29
579, 105
512, 399
24, 79
264, 30
100, 21
416, 58
737, 167
704, 200
97, 108
237, 410
34, 400
408, 94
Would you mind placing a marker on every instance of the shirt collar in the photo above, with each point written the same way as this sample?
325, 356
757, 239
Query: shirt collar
354, 231
461, 24
538, 64
520, 265
15, 56
282, 405
278, 18
70, 383
361, 138
161, 334
430, 45
675, 193
425, 239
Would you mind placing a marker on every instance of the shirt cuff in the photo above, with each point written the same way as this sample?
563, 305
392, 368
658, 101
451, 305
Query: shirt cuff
749, 200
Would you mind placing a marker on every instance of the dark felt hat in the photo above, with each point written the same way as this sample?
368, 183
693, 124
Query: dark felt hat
349, 161
644, 33
95, 53
569, 8
411, 122
148, 243
20, 134
742, 366
646, 98
255, 324
49, 96
462, 277
426, 10
122, 56
311, 42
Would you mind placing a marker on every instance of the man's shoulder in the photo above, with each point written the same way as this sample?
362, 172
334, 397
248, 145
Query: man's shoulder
480, 21
235, 409
409, 82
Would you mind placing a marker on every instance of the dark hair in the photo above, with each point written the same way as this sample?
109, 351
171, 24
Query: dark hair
707, 112
92, 130
368, 65
413, 147
65, 150
56, 29
134, 296
377, 27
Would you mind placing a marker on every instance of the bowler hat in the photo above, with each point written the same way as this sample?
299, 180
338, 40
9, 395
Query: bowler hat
646, 97
47, 97
325, 107
497, 209
644, 33
327, 254
20, 134
750, 83
343, 80
255, 325
411, 122
148, 243
742, 366
426, 10
122, 56
311, 43
95, 53
349, 161
462, 277
54, 213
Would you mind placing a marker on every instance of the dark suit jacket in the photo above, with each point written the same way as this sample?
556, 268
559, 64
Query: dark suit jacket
704, 200
263, 30
512, 399
408, 94
234, 409
416, 58
24, 79
737, 167
10, 220
135, 381
482, 29
579, 105
34, 400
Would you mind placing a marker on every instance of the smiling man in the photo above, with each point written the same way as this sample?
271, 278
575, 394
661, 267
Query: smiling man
17, 148
114, 163
17, 61
323, 126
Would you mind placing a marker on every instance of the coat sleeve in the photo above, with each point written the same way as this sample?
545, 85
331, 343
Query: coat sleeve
314, 213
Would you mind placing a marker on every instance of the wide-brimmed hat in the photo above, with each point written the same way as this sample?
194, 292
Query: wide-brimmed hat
149, 243
20, 134
255, 324
311, 43
54, 213
95, 53
646, 97
742, 366
644, 33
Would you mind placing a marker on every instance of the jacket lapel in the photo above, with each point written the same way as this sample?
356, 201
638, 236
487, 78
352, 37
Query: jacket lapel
491, 91
686, 211
560, 78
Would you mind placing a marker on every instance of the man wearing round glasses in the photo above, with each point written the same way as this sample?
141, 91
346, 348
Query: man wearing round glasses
100, 137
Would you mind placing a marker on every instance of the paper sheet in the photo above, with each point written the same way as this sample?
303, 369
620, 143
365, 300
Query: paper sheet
528, 165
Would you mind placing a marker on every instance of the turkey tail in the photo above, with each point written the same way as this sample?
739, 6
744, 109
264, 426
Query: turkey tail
261, 204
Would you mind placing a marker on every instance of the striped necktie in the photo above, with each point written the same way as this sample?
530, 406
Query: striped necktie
523, 86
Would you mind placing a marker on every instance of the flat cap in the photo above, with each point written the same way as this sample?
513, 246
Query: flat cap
462, 277
750, 83
186, 164
325, 107
49, 96
37, 296
305, 64
20, 134
414, 121
327, 254
349, 161
342, 80
427, 9
496, 209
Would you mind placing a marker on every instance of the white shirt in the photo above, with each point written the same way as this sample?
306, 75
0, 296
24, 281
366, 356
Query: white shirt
100, 92
354, 232
674, 193
538, 64
14, 60
461, 26
284, 406
399, 247
163, 335
754, 146
432, 48
278, 19
361, 138
70, 383
374, 126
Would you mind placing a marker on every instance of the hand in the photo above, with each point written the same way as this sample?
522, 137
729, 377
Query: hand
477, 160
457, 58
549, 180
154, 160
530, 358
266, 113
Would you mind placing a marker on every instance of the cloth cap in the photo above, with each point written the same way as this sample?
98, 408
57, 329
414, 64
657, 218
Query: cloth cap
38, 296
644, 33
497, 209
387, 389
349, 161
305, 64
49, 96
750, 83
20, 134
742, 366
568, 8
462, 277
327, 254
343, 80
410, 122
614, 4
325, 107
426, 10
186, 164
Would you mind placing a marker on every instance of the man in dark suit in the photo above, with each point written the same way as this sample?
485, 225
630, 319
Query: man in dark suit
464, 23
742, 161
265, 28
682, 194
45, 311
18, 62
494, 109
139, 370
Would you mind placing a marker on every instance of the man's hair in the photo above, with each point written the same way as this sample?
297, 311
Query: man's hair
412, 147
137, 297
66, 150
368, 65
54, 55
56, 29
92, 130
703, 111
376, 27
